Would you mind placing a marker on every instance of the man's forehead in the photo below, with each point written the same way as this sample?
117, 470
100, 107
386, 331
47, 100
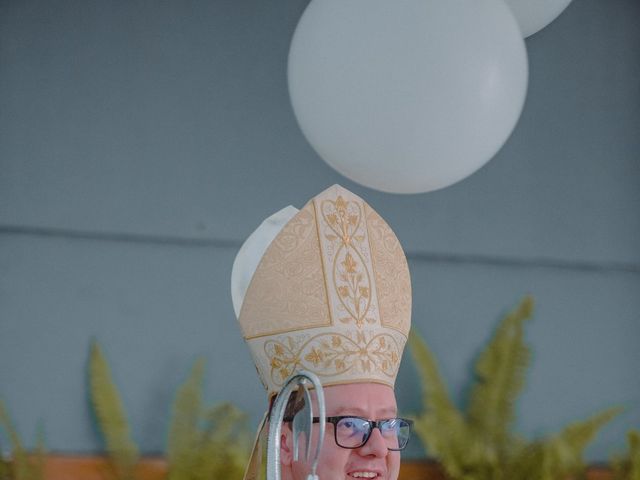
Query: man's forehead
365, 400
363, 412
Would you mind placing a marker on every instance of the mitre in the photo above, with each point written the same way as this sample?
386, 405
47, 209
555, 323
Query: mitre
325, 289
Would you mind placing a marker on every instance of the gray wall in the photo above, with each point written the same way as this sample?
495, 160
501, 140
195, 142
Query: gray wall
141, 142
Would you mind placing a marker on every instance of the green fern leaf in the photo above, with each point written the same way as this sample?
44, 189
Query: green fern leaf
5, 471
19, 466
627, 467
183, 432
441, 427
563, 452
577, 435
634, 455
500, 371
435, 395
14, 438
221, 423
205, 445
225, 442
526, 462
481, 446
23, 466
111, 416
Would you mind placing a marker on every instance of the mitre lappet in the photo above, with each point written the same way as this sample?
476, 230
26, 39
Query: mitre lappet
325, 289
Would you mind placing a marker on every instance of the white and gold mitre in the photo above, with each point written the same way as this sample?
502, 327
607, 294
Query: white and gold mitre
331, 293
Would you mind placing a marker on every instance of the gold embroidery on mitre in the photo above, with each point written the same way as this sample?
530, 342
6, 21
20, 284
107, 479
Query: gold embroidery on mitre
331, 295
334, 354
287, 291
391, 274
343, 235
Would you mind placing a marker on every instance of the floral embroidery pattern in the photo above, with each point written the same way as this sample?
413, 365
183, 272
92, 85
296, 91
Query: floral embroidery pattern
331, 295
345, 237
287, 291
391, 274
331, 354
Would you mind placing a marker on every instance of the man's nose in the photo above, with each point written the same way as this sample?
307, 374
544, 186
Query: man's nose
376, 445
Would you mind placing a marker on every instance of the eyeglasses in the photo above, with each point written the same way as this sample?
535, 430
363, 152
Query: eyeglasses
353, 432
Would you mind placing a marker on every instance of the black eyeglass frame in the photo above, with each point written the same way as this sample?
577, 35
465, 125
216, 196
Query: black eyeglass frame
374, 424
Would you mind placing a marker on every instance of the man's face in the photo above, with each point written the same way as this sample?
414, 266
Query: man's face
372, 460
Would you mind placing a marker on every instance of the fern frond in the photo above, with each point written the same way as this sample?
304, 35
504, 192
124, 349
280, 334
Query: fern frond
577, 435
482, 445
435, 396
220, 460
627, 466
464, 454
5, 471
559, 456
225, 442
526, 462
222, 422
111, 416
634, 455
441, 426
22, 466
205, 445
12, 433
183, 432
500, 371
19, 467
563, 452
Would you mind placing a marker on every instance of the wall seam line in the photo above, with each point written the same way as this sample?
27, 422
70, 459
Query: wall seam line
430, 257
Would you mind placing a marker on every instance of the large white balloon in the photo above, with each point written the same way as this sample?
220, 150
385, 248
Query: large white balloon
407, 96
534, 15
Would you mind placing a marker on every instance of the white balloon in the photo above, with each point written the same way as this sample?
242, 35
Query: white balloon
407, 96
534, 15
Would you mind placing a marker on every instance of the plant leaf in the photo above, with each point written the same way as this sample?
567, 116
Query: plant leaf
435, 395
183, 432
441, 426
205, 445
225, 444
5, 471
482, 445
111, 416
500, 371
23, 466
627, 467
562, 454
14, 438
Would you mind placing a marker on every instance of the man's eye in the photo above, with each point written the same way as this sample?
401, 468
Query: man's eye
390, 425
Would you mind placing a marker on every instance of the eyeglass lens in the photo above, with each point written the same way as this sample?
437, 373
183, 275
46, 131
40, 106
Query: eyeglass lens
353, 432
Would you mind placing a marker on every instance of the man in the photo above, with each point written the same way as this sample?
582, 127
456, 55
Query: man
326, 289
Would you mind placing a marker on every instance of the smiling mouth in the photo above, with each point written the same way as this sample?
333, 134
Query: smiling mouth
364, 475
